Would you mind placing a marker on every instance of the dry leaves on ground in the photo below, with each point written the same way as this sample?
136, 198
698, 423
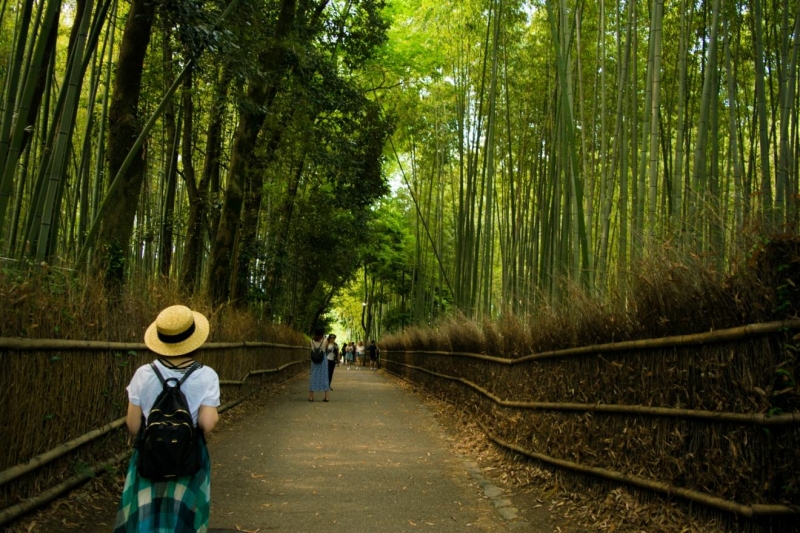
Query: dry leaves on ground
575, 506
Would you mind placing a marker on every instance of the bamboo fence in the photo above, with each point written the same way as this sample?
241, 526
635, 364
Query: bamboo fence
760, 419
23, 344
78, 391
697, 339
714, 438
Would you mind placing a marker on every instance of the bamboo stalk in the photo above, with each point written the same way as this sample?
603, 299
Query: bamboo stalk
650, 484
116, 182
424, 223
10, 513
711, 337
22, 344
234, 403
42, 459
759, 419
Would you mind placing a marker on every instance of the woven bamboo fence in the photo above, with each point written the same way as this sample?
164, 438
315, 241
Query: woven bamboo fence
62, 404
707, 418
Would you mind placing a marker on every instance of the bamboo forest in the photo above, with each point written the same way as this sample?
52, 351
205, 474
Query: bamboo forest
557, 241
393, 161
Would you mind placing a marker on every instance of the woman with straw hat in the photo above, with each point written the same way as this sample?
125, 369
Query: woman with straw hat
178, 504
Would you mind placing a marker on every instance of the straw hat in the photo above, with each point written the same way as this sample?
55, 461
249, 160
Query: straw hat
176, 331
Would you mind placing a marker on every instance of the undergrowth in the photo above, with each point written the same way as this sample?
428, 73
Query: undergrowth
40, 302
665, 294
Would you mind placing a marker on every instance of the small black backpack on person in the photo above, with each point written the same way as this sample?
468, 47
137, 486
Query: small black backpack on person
169, 443
317, 353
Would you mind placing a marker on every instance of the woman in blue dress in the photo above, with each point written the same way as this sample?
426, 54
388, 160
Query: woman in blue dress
319, 371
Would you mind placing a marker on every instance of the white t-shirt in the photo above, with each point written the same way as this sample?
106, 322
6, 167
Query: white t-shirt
331, 348
202, 387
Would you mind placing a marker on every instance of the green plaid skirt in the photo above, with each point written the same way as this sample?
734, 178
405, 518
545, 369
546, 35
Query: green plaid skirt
177, 506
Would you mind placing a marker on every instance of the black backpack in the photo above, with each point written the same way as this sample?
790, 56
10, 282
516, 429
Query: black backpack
169, 443
317, 354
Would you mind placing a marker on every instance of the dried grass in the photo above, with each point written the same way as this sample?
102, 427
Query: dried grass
667, 294
55, 304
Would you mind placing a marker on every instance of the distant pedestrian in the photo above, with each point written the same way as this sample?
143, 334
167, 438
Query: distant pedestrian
374, 351
348, 354
319, 371
168, 489
332, 353
359, 355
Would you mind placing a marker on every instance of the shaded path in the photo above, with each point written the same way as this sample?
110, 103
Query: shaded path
373, 459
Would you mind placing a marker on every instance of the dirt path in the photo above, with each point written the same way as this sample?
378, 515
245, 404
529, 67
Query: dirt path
373, 459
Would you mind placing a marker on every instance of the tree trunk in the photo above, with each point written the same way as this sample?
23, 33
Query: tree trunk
123, 129
241, 154
252, 206
198, 194
261, 94
278, 260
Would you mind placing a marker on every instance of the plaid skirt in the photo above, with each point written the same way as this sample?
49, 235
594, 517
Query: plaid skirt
177, 506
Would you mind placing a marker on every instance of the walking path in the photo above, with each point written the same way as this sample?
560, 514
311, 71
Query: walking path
373, 459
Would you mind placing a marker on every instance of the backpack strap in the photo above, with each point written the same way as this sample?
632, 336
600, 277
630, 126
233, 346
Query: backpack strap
158, 373
194, 366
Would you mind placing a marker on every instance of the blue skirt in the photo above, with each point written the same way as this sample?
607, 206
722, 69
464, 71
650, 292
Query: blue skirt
319, 377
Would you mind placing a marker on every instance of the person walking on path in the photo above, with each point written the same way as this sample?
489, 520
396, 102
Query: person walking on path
359, 355
348, 354
161, 501
319, 371
332, 354
373, 355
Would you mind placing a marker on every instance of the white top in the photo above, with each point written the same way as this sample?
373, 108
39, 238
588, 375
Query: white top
202, 387
360, 350
331, 348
